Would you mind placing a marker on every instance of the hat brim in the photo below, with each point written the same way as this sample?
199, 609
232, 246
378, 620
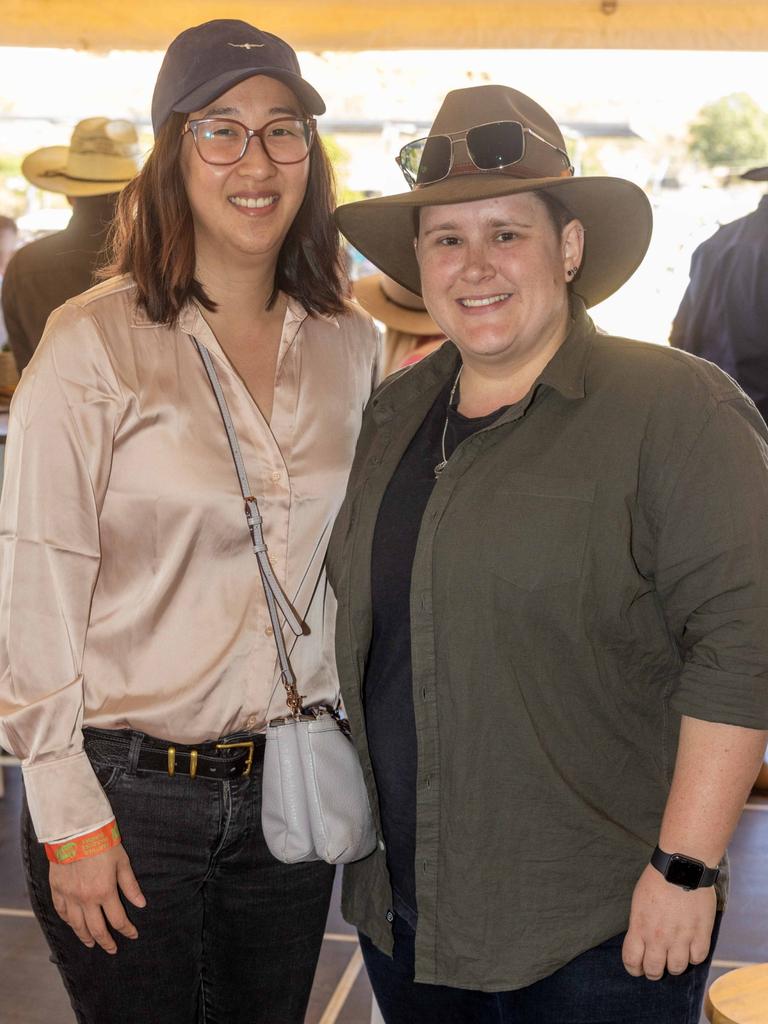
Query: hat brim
615, 213
309, 98
45, 168
369, 293
756, 174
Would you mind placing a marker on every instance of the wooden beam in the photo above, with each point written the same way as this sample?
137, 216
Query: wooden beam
101, 25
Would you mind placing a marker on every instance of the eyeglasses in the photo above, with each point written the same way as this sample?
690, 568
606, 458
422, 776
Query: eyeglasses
220, 140
491, 147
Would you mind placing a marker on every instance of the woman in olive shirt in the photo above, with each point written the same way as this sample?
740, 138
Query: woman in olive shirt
551, 567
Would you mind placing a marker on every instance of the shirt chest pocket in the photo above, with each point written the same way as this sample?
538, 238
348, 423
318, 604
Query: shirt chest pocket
536, 528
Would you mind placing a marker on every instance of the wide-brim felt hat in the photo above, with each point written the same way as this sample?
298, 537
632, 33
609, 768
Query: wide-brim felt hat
615, 213
393, 305
756, 174
101, 158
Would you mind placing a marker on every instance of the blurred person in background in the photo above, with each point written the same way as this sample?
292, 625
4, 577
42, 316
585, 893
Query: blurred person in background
101, 158
723, 316
724, 313
138, 667
410, 332
9, 234
552, 575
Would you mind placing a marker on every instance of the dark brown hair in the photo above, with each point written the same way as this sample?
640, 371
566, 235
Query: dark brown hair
559, 214
153, 237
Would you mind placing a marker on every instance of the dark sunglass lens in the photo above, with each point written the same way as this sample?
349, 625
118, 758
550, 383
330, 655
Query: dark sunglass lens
435, 160
496, 145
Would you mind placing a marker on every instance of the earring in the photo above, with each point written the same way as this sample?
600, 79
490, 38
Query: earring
571, 273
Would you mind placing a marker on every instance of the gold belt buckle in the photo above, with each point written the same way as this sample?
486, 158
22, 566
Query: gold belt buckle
245, 743
172, 762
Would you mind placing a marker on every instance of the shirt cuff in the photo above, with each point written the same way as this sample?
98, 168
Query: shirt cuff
65, 798
78, 835
715, 695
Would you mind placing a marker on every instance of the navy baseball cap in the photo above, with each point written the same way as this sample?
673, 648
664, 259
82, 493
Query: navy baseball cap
205, 61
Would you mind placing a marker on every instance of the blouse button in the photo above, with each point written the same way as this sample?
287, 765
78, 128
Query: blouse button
277, 477
268, 631
251, 722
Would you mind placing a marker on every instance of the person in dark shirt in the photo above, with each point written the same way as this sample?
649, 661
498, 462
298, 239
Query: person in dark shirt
100, 160
724, 313
551, 569
8, 238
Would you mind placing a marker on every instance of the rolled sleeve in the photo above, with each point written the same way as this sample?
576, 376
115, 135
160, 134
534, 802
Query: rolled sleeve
57, 467
712, 569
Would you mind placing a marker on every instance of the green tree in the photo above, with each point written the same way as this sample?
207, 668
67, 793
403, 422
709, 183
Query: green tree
732, 131
339, 158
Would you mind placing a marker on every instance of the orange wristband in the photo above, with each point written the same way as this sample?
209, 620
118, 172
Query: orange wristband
99, 841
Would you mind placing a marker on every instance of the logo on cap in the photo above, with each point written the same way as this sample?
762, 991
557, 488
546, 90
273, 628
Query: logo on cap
248, 46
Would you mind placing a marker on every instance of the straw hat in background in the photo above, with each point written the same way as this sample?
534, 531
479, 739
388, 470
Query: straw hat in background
410, 333
102, 157
395, 306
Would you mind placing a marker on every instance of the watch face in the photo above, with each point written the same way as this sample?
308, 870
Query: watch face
685, 872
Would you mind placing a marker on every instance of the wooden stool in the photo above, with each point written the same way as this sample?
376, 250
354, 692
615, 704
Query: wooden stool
739, 997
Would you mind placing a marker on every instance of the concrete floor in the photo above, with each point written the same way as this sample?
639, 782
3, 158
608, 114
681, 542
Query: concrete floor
31, 992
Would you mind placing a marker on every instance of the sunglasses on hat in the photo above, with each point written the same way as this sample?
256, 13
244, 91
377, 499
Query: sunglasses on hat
490, 147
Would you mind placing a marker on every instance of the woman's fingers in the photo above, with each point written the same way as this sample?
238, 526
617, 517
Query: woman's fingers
59, 904
668, 927
97, 926
632, 953
76, 921
678, 957
128, 883
654, 962
700, 947
86, 896
114, 911
652, 959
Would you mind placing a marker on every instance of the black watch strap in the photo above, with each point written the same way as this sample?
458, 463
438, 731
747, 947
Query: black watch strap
687, 872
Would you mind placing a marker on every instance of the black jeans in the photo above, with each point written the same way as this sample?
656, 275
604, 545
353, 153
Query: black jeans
592, 989
229, 934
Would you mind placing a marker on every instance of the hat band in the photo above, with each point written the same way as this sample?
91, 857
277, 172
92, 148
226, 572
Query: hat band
400, 305
71, 177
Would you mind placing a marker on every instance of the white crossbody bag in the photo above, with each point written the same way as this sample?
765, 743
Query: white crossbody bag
314, 803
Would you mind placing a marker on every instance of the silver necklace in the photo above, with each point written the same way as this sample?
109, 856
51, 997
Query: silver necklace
444, 462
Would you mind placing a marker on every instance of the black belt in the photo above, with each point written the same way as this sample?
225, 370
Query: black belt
234, 760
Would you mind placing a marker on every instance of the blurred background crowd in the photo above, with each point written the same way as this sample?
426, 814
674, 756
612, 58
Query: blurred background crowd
682, 125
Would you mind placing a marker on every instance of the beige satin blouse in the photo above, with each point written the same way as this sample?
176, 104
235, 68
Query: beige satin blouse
130, 592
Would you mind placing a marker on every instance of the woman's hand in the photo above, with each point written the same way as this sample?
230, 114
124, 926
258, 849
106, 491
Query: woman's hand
668, 927
86, 892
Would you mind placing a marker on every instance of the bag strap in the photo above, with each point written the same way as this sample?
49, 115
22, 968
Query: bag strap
273, 592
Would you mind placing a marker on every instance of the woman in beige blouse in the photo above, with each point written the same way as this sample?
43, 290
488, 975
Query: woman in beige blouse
137, 662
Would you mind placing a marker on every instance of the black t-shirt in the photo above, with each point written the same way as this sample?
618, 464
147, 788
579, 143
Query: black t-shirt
388, 693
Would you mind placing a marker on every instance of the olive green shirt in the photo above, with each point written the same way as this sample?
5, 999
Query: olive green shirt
589, 568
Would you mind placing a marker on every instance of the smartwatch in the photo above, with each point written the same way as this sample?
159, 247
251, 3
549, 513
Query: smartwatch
684, 871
